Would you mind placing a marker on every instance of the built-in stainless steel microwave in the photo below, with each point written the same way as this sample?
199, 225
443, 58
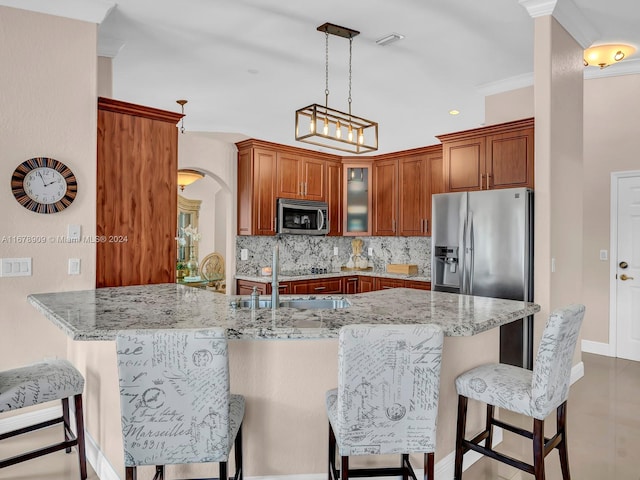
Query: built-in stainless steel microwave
302, 217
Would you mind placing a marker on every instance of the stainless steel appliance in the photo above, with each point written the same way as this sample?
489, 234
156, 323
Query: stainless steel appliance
482, 244
302, 217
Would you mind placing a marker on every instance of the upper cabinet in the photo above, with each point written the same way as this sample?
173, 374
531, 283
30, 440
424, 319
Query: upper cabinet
268, 171
402, 186
356, 200
301, 177
137, 185
498, 156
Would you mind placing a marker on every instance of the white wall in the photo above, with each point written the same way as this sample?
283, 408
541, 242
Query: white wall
48, 108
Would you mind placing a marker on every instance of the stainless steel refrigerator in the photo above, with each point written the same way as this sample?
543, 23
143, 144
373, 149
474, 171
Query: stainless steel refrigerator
482, 244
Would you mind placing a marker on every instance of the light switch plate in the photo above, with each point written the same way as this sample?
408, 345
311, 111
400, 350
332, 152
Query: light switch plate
335, 251
244, 254
604, 255
370, 251
73, 233
74, 266
16, 267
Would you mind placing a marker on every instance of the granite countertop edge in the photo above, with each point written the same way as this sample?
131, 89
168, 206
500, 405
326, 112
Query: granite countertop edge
99, 314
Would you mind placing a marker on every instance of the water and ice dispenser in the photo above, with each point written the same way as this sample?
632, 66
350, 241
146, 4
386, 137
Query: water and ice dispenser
446, 269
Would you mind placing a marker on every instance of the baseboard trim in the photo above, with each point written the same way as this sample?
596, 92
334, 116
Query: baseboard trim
598, 348
104, 470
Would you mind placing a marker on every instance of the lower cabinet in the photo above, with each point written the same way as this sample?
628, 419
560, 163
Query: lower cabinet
331, 286
382, 283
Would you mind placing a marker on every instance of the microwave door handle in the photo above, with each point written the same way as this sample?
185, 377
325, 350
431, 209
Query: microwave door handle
321, 222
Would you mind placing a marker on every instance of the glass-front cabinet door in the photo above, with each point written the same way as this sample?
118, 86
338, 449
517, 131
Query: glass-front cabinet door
357, 198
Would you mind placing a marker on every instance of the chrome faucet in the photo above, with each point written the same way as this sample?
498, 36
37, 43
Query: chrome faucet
275, 291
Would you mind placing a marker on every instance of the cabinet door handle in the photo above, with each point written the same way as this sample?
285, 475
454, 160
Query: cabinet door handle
488, 179
426, 225
319, 288
385, 287
481, 180
305, 189
352, 279
393, 226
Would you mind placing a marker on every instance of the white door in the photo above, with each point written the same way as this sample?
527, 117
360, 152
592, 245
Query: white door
628, 269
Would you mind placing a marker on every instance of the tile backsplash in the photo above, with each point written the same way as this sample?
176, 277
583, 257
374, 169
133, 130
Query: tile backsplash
301, 253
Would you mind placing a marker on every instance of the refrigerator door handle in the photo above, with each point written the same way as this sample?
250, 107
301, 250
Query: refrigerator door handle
462, 265
470, 253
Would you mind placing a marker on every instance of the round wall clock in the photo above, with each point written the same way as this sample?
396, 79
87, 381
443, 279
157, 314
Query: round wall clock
44, 185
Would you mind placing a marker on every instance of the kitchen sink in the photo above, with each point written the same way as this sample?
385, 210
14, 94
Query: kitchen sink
300, 303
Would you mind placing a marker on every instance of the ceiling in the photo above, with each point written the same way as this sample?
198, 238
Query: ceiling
245, 66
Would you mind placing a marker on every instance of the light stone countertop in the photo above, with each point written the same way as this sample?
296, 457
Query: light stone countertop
98, 314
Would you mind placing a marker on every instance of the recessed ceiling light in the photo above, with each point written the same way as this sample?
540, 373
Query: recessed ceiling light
454, 112
387, 39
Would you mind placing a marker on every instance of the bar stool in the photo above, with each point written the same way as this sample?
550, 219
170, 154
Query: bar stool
387, 397
175, 402
43, 382
532, 393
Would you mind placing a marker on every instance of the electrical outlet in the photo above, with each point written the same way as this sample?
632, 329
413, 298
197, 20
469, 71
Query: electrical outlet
553, 265
370, 252
335, 251
73, 233
244, 254
604, 255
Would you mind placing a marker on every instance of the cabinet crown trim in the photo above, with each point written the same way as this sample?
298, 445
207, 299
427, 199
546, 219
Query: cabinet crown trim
118, 106
488, 130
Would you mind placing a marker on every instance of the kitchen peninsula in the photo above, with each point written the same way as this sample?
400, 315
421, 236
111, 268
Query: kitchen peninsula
283, 381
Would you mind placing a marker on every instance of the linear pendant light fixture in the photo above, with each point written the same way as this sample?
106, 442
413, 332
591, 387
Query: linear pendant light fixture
327, 127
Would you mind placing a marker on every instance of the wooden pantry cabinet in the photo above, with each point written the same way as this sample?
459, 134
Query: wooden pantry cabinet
136, 199
268, 171
497, 156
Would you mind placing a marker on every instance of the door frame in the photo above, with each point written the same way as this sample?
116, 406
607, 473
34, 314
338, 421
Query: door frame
613, 258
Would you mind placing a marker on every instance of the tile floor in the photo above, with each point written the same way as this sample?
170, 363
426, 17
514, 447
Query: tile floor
603, 432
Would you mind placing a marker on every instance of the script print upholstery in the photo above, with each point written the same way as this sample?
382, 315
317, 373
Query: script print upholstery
388, 383
533, 393
39, 383
174, 395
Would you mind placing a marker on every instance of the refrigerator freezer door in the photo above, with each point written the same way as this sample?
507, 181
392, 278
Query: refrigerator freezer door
449, 213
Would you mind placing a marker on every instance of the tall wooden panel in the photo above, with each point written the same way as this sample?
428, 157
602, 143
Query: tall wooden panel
385, 197
136, 194
334, 197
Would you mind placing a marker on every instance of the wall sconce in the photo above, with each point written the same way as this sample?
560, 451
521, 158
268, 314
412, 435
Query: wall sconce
187, 177
605, 55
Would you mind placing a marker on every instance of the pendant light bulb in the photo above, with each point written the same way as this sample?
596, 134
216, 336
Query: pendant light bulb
350, 134
325, 129
338, 129
360, 136
312, 125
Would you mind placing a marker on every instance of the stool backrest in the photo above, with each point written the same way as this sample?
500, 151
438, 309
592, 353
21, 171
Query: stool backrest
388, 384
552, 367
174, 396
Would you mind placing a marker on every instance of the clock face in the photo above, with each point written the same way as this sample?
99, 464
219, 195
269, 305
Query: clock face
44, 185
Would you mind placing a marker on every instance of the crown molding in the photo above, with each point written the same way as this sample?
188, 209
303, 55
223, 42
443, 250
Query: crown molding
626, 67
94, 11
109, 46
568, 15
505, 85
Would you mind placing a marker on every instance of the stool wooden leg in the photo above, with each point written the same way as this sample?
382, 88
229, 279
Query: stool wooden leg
489, 426
238, 455
159, 473
82, 455
429, 466
404, 459
561, 422
344, 469
462, 419
538, 449
65, 419
131, 473
224, 475
332, 453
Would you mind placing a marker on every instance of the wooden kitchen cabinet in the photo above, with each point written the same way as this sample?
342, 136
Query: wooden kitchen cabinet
300, 177
357, 198
417, 285
383, 283
498, 156
385, 197
245, 287
267, 171
334, 197
256, 190
136, 199
402, 190
321, 286
350, 285
366, 284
